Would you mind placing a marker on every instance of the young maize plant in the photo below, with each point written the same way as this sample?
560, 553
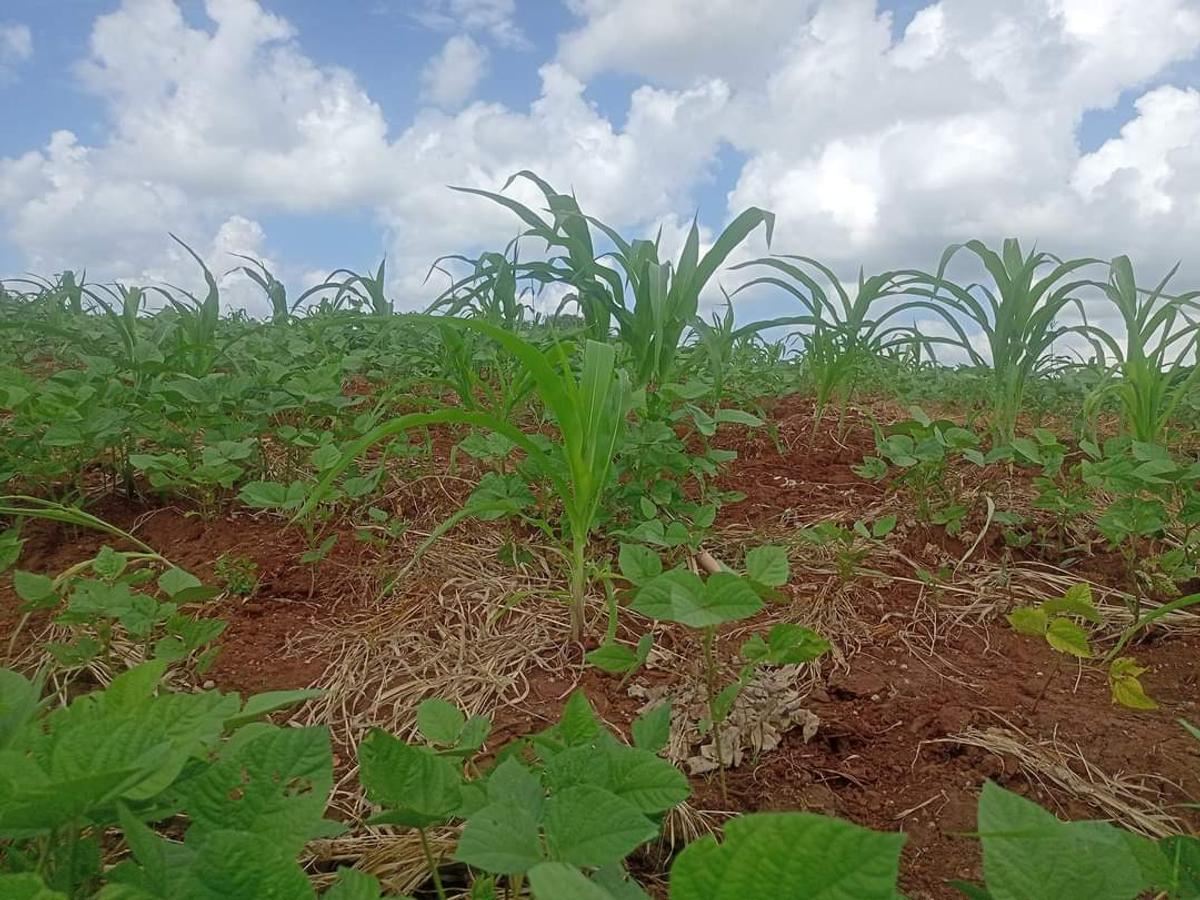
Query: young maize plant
653, 302
1155, 367
1018, 317
589, 411
842, 336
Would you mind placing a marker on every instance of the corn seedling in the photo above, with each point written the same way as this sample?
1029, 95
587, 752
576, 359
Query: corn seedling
1017, 316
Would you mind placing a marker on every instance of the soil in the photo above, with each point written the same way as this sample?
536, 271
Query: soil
884, 754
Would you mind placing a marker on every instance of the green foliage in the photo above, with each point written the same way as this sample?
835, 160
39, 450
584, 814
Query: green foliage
133, 755
789, 855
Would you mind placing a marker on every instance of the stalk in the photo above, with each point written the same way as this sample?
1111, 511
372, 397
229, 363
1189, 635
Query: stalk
710, 677
578, 585
433, 870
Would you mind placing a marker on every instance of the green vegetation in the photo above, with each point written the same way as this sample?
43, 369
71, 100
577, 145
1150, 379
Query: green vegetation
596, 443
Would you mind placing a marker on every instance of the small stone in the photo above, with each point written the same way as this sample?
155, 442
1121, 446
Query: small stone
209, 685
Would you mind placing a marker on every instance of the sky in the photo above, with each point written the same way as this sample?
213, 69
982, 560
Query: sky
317, 135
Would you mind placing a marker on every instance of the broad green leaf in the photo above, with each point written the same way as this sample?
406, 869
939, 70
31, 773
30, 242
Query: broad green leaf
790, 643
883, 526
1028, 620
559, 881
588, 826
109, 563
28, 886
639, 564
275, 785
134, 687
767, 565
1076, 601
511, 782
18, 704
36, 590
1126, 686
789, 856
500, 838
651, 784
652, 729
1068, 637
354, 884
1181, 855
416, 786
440, 722
1027, 852
680, 596
737, 417
578, 724
175, 580
613, 658
236, 865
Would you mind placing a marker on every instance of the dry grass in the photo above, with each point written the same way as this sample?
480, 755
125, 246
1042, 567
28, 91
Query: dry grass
1130, 801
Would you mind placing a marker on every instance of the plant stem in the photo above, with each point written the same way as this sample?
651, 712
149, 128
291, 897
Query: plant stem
578, 586
710, 677
433, 869
1046, 684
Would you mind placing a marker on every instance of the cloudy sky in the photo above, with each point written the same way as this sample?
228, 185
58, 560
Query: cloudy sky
319, 135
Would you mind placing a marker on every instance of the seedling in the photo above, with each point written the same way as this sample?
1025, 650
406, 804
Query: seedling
682, 596
237, 573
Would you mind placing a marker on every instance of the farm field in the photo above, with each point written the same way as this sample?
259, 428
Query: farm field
620, 599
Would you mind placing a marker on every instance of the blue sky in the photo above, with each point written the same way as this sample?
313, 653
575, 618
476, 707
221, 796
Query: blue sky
876, 132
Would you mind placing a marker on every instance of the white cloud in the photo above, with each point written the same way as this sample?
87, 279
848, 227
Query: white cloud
870, 149
16, 47
1152, 149
497, 18
678, 40
451, 76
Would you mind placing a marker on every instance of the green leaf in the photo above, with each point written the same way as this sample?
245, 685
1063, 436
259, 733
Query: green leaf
613, 658
883, 526
737, 417
790, 856
243, 865
500, 838
353, 884
639, 564
175, 580
559, 881
1076, 601
18, 704
28, 886
440, 722
680, 596
767, 565
578, 724
652, 729
264, 704
1181, 853
788, 643
36, 590
274, 785
273, 495
1028, 620
588, 826
109, 564
1068, 637
1027, 852
417, 787
1126, 686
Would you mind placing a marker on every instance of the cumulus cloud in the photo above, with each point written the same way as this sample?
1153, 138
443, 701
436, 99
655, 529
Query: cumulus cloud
452, 75
872, 147
496, 18
16, 48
